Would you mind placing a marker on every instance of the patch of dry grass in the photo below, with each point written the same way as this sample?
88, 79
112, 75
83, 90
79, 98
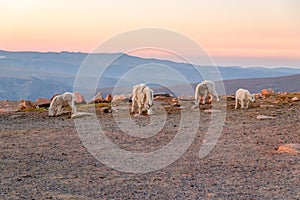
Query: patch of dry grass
32, 109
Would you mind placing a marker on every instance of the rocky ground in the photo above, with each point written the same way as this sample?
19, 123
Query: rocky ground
44, 157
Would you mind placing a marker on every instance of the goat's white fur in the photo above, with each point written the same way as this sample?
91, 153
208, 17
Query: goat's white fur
142, 95
203, 89
243, 97
59, 101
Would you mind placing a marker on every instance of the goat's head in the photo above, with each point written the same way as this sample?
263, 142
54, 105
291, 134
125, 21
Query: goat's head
252, 98
51, 112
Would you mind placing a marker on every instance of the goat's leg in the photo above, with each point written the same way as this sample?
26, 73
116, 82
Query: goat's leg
236, 103
204, 97
247, 104
72, 105
197, 98
217, 97
242, 103
74, 109
132, 105
140, 107
59, 110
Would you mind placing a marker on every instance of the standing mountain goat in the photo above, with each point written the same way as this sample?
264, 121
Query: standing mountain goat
203, 89
244, 97
143, 96
59, 101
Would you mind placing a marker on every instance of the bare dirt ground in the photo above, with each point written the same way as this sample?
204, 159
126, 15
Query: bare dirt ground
43, 157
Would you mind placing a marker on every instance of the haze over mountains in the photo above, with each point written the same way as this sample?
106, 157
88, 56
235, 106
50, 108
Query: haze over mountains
29, 75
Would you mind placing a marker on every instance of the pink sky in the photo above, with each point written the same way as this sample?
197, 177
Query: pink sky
233, 32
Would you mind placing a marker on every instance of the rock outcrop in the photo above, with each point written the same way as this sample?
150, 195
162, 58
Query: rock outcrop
268, 91
108, 98
25, 104
122, 97
42, 102
79, 99
97, 99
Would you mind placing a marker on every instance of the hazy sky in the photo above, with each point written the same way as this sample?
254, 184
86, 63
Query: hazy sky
233, 32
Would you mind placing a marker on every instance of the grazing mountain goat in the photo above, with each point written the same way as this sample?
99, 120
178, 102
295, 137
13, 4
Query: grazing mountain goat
59, 101
203, 89
143, 96
244, 97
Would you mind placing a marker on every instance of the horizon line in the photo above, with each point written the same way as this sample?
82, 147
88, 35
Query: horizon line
161, 59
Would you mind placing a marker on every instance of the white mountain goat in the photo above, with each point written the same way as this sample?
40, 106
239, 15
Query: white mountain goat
59, 101
203, 89
142, 95
243, 97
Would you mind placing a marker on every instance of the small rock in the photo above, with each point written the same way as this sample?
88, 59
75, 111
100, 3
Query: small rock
105, 109
15, 116
289, 148
176, 104
212, 111
276, 102
267, 106
8, 110
80, 114
295, 99
282, 93
264, 117
211, 195
186, 98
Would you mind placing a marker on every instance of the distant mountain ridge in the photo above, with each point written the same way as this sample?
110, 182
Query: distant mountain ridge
255, 85
28, 75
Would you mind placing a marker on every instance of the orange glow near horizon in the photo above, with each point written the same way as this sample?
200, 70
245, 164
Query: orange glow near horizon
233, 29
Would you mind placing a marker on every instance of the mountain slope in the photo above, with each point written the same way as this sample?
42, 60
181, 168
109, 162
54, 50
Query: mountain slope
29, 75
19, 88
285, 83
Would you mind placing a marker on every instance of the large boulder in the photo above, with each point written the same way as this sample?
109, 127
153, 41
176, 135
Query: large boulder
79, 99
42, 102
122, 98
268, 91
108, 98
97, 99
25, 104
